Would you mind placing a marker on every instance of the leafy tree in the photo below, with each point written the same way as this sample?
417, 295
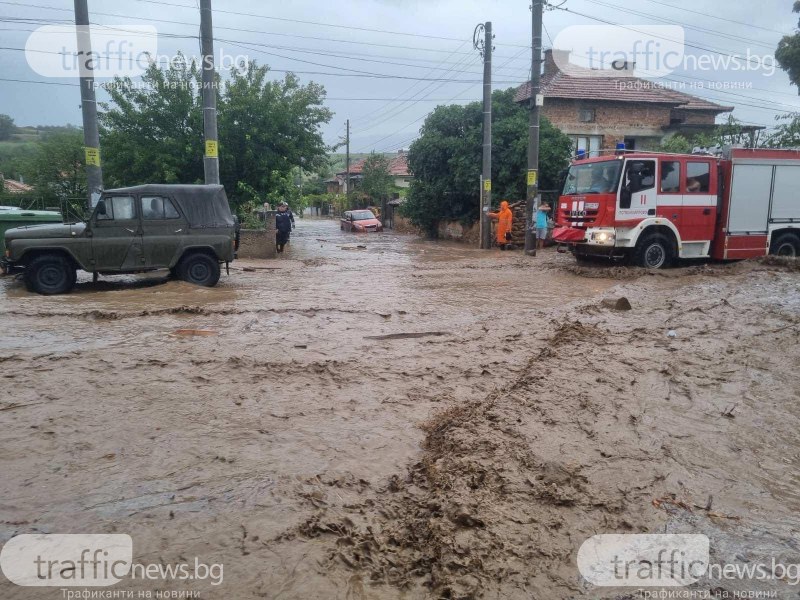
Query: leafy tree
56, 167
266, 128
788, 52
376, 179
787, 134
7, 127
446, 160
154, 133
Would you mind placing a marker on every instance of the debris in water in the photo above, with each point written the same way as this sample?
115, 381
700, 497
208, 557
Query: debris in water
200, 332
621, 303
672, 333
403, 336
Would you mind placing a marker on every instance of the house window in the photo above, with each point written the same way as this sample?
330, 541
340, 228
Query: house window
586, 115
589, 143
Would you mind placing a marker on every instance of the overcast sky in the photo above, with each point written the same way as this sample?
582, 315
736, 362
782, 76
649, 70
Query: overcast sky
342, 49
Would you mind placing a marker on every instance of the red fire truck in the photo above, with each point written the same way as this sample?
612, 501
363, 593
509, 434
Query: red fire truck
657, 208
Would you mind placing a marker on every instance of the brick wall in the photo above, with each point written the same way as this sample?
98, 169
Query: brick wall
614, 121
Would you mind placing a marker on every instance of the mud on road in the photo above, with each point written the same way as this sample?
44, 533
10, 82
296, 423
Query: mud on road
409, 420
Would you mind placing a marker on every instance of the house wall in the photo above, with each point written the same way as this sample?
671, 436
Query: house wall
694, 117
613, 121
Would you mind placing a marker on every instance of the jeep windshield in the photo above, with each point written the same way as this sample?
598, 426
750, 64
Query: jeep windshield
593, 178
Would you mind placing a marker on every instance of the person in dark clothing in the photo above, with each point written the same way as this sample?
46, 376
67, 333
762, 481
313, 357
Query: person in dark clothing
284, 223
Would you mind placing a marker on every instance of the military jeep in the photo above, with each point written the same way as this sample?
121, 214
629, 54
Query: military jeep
187, 229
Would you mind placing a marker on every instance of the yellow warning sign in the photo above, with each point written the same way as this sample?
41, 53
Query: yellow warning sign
532, 176
487, 185
93, 156
212, 150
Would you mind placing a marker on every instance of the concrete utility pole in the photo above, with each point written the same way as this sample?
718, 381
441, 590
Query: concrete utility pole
485, 48
91, 132
211, 154
347, 164
533, 128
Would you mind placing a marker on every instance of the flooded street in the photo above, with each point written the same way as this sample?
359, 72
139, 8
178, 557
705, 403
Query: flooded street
407, 419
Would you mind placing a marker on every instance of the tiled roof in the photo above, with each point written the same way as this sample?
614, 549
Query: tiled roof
16, 187
398, 166
616, 89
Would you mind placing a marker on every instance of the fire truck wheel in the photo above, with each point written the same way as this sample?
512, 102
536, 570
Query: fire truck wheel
786, 245
654, 251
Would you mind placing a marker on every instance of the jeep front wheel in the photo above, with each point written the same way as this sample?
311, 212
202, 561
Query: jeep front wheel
50, 274
199, 269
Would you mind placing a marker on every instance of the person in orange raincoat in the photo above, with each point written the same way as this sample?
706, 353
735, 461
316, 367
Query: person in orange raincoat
505, 219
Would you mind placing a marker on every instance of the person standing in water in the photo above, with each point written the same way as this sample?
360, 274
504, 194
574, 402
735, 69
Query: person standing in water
284, 223
505, 220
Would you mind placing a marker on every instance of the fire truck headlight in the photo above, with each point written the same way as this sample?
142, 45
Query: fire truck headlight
603, 237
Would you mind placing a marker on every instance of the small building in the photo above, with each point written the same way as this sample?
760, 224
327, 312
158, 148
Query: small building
398, 169
600, 109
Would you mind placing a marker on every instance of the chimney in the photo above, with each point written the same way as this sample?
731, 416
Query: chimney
555, 60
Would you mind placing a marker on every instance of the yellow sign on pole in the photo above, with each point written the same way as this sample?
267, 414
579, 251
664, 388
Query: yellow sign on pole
93, 156
532, 176
487, 185
212, 150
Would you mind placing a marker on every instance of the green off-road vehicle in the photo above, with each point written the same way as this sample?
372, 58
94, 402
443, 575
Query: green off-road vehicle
187, 229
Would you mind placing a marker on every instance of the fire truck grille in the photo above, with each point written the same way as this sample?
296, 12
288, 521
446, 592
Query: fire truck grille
581, 217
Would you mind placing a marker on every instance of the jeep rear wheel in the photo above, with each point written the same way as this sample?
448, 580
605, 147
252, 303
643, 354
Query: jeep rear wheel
654, 251
786, 245
50, 274
199, 269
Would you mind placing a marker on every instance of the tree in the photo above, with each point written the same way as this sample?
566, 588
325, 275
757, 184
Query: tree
446, 160
788, 52
268, 128
154, 133
376, 179
56, 167
7, 127
787, 134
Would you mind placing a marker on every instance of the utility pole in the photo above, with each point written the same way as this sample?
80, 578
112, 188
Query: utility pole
347, 166
211, 154
91, 132
485, 48
536, 102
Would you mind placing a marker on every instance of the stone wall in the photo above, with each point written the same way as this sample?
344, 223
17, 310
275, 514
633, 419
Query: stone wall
259, 243
455, 230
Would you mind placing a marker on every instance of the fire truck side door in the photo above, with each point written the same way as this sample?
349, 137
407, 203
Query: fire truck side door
636, 199
699, 214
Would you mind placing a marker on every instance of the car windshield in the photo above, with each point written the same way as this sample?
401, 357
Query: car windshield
362, 215
593, 178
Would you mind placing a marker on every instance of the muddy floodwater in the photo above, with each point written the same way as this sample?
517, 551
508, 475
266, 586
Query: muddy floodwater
387, 417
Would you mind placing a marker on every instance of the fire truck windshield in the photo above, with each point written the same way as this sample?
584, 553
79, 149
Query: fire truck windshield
593, 178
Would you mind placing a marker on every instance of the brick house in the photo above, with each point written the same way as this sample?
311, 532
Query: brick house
398, 169
599, 111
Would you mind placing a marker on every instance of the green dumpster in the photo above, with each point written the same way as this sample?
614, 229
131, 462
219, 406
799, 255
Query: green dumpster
16, 217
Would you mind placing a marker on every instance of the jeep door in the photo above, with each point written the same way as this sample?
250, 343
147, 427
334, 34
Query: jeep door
164, 229
117, 236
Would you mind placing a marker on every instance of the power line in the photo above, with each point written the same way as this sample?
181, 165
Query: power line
684, 9
713, 32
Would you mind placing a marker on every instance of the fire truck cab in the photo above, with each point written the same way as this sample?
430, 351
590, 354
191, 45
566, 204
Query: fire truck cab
656, 208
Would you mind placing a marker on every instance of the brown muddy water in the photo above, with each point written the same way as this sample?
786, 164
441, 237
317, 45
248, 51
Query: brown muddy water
412, 419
